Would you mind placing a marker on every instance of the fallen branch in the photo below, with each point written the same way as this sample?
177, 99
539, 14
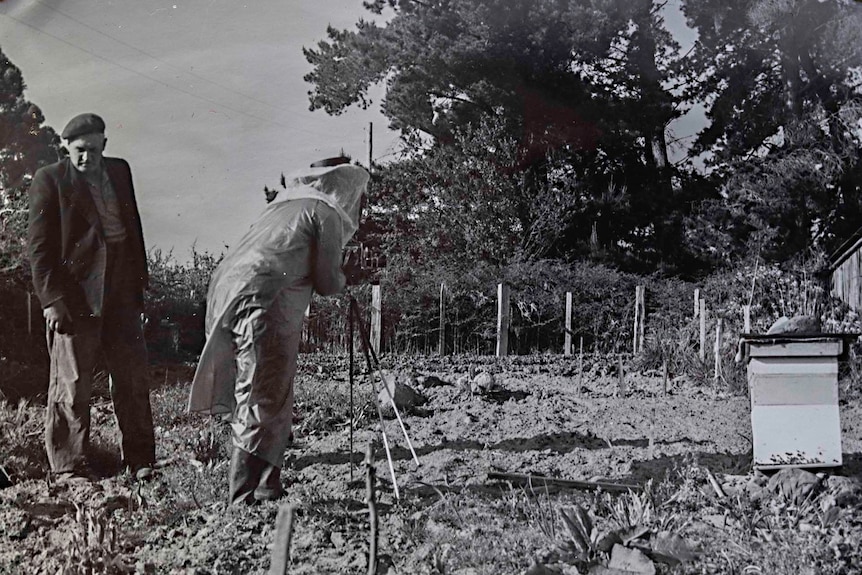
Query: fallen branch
573, 483
714, 483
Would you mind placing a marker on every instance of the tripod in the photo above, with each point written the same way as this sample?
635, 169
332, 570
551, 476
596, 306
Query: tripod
373, 365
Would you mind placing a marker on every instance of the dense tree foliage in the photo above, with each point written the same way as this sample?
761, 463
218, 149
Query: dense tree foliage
584, 90
764, 64
461, 202
580, 88
780, 81
25, 145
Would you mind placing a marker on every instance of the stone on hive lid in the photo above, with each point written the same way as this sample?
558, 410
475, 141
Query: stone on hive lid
795, 324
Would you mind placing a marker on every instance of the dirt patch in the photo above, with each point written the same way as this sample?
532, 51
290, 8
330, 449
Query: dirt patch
451, 517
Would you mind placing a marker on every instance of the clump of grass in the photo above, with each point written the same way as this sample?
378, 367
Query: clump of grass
463, 530
201, 438
195, 449
629, 511
669, 342
94, 544
678, 346
208, 445
21, 453
850, 373
539, 511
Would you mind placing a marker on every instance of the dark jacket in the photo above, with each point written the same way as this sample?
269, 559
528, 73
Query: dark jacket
66, 242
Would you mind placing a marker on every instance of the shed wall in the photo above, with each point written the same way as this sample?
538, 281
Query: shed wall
845, 280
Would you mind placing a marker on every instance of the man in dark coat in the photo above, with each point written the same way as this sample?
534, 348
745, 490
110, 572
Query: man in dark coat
89, 270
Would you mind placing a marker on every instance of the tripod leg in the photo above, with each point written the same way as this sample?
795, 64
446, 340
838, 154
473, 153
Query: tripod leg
369, 354
350, 378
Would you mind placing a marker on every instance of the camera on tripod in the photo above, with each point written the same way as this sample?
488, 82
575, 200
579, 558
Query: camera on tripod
360, 262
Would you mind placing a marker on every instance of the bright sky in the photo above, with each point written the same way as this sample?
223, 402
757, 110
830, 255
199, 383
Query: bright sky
204, 98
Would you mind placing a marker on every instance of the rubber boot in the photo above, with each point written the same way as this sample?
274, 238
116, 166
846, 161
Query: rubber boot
269, 488
245, 473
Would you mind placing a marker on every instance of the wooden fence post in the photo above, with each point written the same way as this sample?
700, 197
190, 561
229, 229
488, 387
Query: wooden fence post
502, 320
281, 543
696, 302
717, 350
640, 311
651, 439
635, 330
702, 314
456, 336
441, 346
621, 383
581, 366
664, 376
567, 348
376, 323
370, 480
643, 319
305, 336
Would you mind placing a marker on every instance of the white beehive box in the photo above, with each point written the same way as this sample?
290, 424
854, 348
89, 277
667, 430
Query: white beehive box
794, 401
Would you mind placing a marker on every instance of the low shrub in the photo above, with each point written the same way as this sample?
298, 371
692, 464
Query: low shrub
21, 435
176, 303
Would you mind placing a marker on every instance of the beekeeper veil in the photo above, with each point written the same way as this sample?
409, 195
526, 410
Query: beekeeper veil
340, 187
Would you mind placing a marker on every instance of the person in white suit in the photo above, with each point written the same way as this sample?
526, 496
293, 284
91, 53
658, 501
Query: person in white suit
255, 307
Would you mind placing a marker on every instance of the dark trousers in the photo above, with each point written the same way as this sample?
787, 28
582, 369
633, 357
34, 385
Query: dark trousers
118, 334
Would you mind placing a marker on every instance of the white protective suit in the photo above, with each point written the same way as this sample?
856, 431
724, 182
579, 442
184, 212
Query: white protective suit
257, 300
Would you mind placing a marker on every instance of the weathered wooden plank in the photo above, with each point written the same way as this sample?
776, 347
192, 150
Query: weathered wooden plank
441, 342
502, 320
567, 347
376, 318
702, 315
280, 561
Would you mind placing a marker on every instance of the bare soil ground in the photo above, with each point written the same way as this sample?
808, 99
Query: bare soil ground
452, 515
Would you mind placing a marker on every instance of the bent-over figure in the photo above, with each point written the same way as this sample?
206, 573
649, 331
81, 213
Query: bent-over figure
255, 307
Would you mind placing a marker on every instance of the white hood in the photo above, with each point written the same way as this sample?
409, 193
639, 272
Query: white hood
340, 187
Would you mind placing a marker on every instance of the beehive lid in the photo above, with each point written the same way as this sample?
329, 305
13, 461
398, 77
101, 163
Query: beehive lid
797, 344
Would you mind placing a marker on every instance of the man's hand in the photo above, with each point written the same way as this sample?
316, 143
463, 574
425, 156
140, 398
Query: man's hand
58, 318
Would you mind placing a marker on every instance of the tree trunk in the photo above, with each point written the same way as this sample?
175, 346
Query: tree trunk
652, 93
790, 72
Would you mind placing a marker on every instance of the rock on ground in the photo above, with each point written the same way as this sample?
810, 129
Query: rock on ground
398, 389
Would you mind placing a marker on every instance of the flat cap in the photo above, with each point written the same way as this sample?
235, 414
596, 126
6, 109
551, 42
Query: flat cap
83, 124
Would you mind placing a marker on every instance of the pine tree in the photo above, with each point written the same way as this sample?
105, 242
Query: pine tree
780, 82
25, 145
581, 87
